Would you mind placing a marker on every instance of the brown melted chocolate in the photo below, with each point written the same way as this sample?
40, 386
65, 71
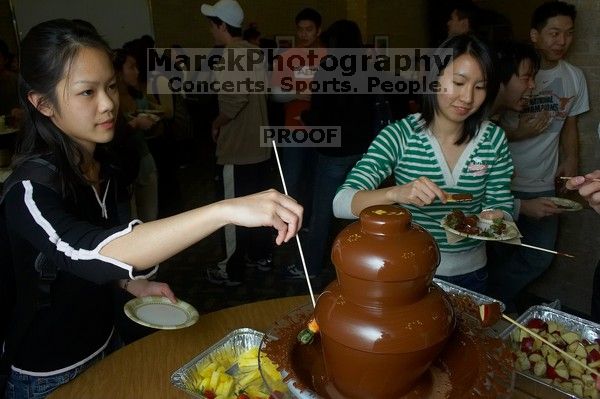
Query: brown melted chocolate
471, 364
382, 323
386, 331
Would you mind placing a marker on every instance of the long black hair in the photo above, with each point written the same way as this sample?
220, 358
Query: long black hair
459, 45
47, 52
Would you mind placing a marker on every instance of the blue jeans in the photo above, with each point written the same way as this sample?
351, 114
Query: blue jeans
512, 267
22, 386
474, 281
330, 174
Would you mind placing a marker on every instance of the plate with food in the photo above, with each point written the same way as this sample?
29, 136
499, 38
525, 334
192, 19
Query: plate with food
159, 312
565, 204
472, 226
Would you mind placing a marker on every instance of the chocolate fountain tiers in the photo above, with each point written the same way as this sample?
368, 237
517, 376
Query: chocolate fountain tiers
383, 324
471, 365
382, 312
386, 350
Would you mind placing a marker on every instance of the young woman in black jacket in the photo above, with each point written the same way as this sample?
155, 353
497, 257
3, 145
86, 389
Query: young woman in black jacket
69, 92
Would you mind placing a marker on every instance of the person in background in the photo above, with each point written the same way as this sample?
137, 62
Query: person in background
243, 162
9, 100
517, 65
464, 18
160, 139
252, 35
354, 114
543, 141
69, 88
449, 148
145, 188
139, 47
298, 162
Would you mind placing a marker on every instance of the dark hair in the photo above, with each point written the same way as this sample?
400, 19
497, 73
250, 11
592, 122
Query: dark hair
510, 54
466, 9
309, 14
47, 52
147, 41
233, 31
466, 44
138, 49
4, 49
119, 57
551, 9
342, 34
251, 33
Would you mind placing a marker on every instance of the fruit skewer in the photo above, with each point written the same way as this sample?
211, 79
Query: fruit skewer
487, 310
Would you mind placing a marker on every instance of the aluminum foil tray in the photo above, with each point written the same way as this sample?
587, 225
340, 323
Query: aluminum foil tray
530, 383
478, 298
236, 342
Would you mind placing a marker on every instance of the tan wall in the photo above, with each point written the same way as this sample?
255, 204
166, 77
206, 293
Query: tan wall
180, 21
403, 21
585, 53
519, 16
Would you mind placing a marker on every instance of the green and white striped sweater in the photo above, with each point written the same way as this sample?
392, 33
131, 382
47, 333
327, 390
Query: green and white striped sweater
408, 150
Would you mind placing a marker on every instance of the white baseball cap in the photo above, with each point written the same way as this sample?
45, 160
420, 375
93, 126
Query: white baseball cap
228, 11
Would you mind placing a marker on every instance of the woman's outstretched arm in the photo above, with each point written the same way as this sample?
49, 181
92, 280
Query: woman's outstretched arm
153, 242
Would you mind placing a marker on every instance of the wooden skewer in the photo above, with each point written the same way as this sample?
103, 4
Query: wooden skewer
546, 250
569, 178
556, 348
310, 290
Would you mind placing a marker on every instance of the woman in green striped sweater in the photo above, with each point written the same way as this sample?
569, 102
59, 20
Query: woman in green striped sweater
449, 148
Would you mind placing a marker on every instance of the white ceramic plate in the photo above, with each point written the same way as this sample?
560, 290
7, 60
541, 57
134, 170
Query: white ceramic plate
510, 233
566, 204
160, 312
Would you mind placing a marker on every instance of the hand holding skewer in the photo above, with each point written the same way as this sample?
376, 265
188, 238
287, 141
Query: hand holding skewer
588, 187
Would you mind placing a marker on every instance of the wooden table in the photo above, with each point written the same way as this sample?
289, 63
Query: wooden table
143, 368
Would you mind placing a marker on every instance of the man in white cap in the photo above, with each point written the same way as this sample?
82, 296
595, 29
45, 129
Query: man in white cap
228, 11
236, 130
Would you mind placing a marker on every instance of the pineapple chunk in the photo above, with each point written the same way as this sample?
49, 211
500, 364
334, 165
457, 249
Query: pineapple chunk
249, 378
208, 370
214, 380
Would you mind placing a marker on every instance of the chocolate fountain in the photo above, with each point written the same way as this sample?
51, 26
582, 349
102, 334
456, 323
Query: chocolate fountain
382, 322
386, 331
